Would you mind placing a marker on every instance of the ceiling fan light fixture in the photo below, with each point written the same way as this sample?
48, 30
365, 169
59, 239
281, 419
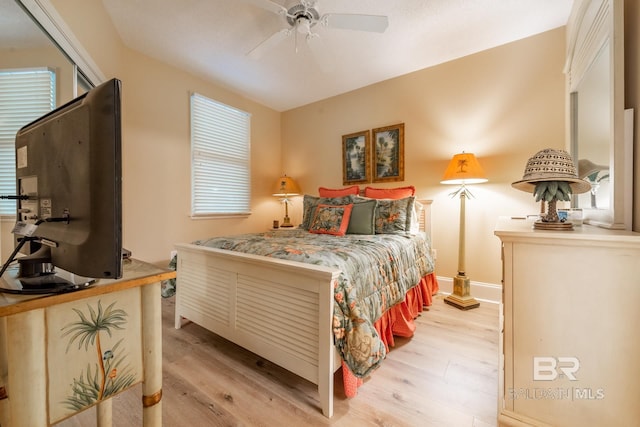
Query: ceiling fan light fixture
303, 25
303, 15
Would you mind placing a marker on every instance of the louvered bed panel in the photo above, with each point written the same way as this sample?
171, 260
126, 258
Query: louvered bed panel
280, 310
200, 302
279, 315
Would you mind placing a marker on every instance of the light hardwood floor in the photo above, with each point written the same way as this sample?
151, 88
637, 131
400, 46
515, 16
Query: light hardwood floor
446, 375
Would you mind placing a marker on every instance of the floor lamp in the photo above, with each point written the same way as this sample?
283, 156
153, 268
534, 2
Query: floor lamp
463, 169
284, 188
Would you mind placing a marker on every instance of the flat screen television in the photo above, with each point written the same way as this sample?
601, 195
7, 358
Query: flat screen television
69, 195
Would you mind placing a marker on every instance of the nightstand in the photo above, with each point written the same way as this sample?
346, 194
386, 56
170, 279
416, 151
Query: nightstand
284, 229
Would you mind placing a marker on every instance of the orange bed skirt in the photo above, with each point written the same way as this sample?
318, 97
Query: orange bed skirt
397, 321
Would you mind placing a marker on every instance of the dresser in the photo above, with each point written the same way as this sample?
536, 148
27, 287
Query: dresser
570, 326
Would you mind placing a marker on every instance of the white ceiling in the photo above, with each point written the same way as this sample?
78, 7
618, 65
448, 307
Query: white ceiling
211, 38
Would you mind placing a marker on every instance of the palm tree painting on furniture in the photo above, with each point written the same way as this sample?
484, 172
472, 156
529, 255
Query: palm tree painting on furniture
111, 373
389, 153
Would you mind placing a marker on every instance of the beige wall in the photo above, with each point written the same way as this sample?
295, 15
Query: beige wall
504, 105
157, 154
156, 144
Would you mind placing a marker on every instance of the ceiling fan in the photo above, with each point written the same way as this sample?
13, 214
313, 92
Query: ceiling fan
302, 16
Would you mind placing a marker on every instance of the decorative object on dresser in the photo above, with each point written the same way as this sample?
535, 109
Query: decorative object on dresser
388, 153
463, 169
286, 187
551, 175
356, 158
595, 175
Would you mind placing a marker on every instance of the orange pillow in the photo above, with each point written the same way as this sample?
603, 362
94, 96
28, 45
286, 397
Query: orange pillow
390, 193
338, 192
330, 219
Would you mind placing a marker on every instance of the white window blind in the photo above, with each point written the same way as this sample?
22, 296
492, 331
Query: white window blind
220, 158
25, 95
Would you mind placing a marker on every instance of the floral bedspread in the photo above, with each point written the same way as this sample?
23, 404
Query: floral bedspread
376, 272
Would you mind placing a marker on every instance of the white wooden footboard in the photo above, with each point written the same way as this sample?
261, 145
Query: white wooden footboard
280, 310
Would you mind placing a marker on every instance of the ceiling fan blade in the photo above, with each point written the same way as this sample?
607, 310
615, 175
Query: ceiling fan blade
270, 43
320, 53
268, 5
345, 21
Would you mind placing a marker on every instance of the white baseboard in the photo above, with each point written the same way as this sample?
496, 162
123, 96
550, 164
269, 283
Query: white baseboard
487, 292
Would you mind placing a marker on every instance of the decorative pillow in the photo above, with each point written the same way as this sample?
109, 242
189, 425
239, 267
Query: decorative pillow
393, 216
390, 193
330, 219
309, 204
363, 217
338, 192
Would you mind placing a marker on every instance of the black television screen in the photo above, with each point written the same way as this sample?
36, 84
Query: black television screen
69, 183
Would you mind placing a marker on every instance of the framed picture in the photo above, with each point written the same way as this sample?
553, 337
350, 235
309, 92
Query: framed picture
388, 153
356, 155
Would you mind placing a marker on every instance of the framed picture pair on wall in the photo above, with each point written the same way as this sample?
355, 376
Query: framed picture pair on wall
373, 156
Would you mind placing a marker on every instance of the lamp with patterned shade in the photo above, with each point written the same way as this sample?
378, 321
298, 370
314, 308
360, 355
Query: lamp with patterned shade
551, 175
284, 188
463, 169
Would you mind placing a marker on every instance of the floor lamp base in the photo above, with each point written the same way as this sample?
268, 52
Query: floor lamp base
461, 297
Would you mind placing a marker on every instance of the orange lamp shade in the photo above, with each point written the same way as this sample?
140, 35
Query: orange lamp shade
464, 168
286, 186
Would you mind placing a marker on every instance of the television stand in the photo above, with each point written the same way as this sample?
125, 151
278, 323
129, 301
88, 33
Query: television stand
35, 274
39, 362
56, 282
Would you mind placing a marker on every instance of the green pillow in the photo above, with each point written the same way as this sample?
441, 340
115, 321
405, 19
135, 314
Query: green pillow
362, 219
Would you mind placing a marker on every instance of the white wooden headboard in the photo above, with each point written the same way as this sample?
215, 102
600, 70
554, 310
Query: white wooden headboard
424, 215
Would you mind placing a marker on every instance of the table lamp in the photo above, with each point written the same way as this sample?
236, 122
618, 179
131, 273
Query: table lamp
284, 188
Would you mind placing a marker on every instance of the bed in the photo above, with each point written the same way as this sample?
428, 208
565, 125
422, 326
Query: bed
277, 295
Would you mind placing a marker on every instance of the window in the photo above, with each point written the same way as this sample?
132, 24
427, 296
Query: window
25, 95
220, 159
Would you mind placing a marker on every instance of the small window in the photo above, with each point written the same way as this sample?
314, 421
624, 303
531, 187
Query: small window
25, 95
220, 159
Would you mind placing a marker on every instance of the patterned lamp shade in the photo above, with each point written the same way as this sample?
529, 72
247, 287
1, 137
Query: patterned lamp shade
551, 165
